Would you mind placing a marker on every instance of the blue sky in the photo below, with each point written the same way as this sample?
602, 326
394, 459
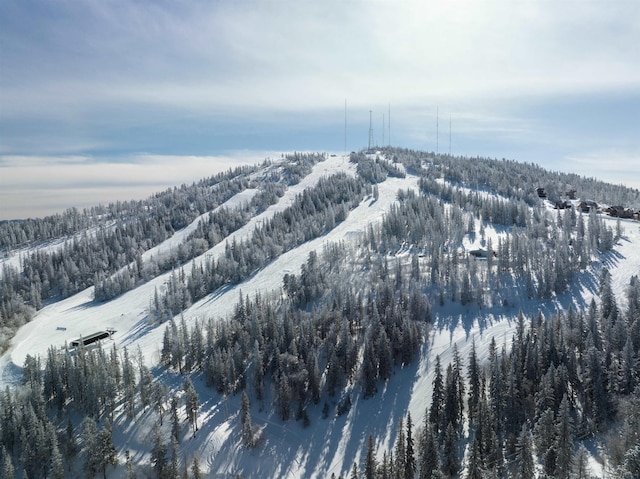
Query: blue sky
116, 99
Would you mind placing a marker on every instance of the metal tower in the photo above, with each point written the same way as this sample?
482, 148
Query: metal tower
389, 125
437, 132
449, 135
345, 126
370, 130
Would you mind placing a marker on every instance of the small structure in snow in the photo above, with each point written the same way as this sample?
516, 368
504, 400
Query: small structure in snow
588, 205
92, 338
562, 205
541, 192
481, 253
619, 212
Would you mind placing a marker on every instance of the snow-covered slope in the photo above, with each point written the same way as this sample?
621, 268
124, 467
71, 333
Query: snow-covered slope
329, 445
79, 315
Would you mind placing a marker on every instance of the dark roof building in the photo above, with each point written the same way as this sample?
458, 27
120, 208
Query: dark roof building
92, 338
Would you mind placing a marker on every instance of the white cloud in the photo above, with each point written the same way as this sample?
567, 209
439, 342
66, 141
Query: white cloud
303, 55
22, 161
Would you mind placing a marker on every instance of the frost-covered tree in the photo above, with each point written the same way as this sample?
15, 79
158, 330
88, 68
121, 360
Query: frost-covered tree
91, 447
581, 469
370, 464
6, 464
400, 451
564, 440
474, 465
410, 458
191, 403
245, 421
437, 398
525, 466
451, 457
175, 421
106, 451
159, 453
473, 376
428, 452
631, 466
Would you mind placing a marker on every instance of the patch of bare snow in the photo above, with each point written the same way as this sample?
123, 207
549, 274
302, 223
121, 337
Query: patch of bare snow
181, 236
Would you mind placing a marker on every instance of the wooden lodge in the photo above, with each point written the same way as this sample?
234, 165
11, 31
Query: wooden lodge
620, 212
588, 205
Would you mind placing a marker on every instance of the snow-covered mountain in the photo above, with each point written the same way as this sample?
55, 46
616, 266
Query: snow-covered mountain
462, 247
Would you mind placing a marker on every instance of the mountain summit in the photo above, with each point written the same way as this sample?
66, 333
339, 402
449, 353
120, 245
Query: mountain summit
391, 313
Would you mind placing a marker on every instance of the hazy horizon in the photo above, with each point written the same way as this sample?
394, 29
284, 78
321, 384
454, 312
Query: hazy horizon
31, 189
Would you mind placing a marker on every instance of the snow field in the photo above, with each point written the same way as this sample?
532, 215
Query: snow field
328, 445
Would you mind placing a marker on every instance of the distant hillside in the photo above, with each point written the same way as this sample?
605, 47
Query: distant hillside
387, 314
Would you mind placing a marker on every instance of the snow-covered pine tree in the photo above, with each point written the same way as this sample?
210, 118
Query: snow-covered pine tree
191, 403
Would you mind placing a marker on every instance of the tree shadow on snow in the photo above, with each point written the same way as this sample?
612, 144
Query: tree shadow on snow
347, 435
140, 329
288, 449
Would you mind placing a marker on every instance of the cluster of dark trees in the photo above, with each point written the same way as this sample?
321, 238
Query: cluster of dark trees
314, 212
107, 241
375, 170
102, 246
490, 208
295, 167
305, 354
563, 379
174, 208
37, 441
15, 234
116, 241
348, 318
544, 258
511, 179
537, 260
210, 231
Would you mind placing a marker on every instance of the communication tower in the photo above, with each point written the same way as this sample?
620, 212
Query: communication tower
345, 126
449, 135
389, 125
437, 132
370, 130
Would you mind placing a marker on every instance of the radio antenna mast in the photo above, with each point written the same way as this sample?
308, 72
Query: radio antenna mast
383, 129
389, 125
345, 126
449, 134
370, 130
437, 132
